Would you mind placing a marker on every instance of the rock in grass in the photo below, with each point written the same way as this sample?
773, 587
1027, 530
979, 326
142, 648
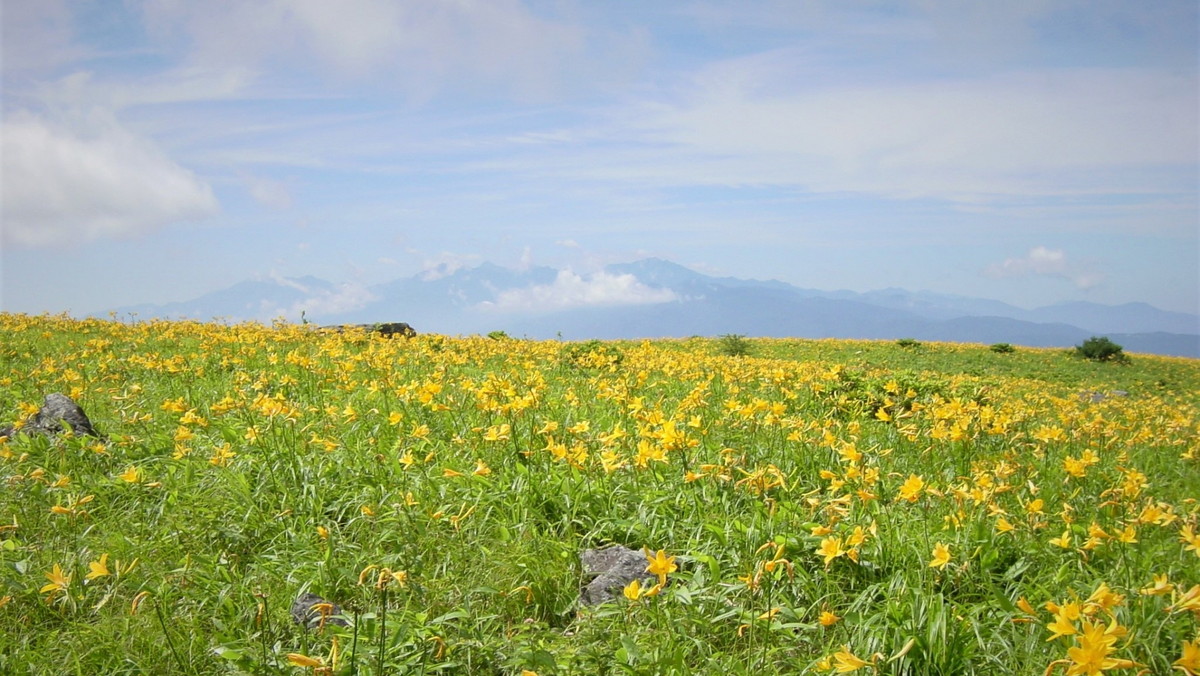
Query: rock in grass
57, 414
385, 329
611, 569
305, 611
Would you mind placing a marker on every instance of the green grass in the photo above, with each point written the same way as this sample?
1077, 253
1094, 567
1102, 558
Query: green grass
276, 460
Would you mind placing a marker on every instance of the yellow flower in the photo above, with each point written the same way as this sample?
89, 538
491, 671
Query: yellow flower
1160, 586
1090, 655
828, 619
1061, 626
298, 660
1188, 536
633, 590
98, 568
660, 564
1189, 661
831, 548
1104, 598
1189, 600
941, 556
845, 662
59, 582
1063, 540
222, 455
911, 489
131, 475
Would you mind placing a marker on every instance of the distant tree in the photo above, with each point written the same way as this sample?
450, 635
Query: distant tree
1003, 348
1099, 348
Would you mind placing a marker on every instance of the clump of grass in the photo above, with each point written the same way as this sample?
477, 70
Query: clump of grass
592, 354
734, 345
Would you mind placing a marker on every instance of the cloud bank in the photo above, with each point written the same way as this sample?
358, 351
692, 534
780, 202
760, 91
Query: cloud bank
570, 290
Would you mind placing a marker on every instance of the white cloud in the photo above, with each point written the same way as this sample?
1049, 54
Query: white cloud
1045, 262
345, 298
444, 264
1039, 261
570, 290
90, 180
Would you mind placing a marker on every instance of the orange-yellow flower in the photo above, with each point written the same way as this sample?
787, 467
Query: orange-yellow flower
660, 564
941, 556
1161, 585
845, 662
633, 590
910, 490
831, 548
1189, 661
98, 568
58, 584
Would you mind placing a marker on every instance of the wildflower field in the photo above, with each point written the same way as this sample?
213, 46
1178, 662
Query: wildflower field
815, 507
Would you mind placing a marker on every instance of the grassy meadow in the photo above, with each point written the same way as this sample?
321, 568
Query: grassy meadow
821, 506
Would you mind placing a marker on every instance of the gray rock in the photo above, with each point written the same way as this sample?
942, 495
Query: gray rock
58, 412
1097, 397
304, 612
611, 569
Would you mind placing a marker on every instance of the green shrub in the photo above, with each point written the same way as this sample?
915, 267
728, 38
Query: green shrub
908, 343
1099, 348
1003, 348
592, 354
734, 345
498, 335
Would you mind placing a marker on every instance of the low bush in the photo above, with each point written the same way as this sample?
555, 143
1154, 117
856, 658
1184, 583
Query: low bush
1099, 348
734, 345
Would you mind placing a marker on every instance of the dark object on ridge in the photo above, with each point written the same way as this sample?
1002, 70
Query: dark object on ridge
393, 329
57, 414
611, 568
306, 612
385, 329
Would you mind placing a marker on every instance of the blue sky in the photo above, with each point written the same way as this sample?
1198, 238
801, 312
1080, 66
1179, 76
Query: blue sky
1028, 151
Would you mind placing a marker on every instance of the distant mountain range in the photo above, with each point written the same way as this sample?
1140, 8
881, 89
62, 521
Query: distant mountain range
653, 298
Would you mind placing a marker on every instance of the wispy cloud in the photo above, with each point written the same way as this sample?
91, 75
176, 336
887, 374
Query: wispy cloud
570, 290
423, 48
1042, 261
1051, 132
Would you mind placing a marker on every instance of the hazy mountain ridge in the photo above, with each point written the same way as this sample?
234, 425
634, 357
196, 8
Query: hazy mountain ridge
626, 301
